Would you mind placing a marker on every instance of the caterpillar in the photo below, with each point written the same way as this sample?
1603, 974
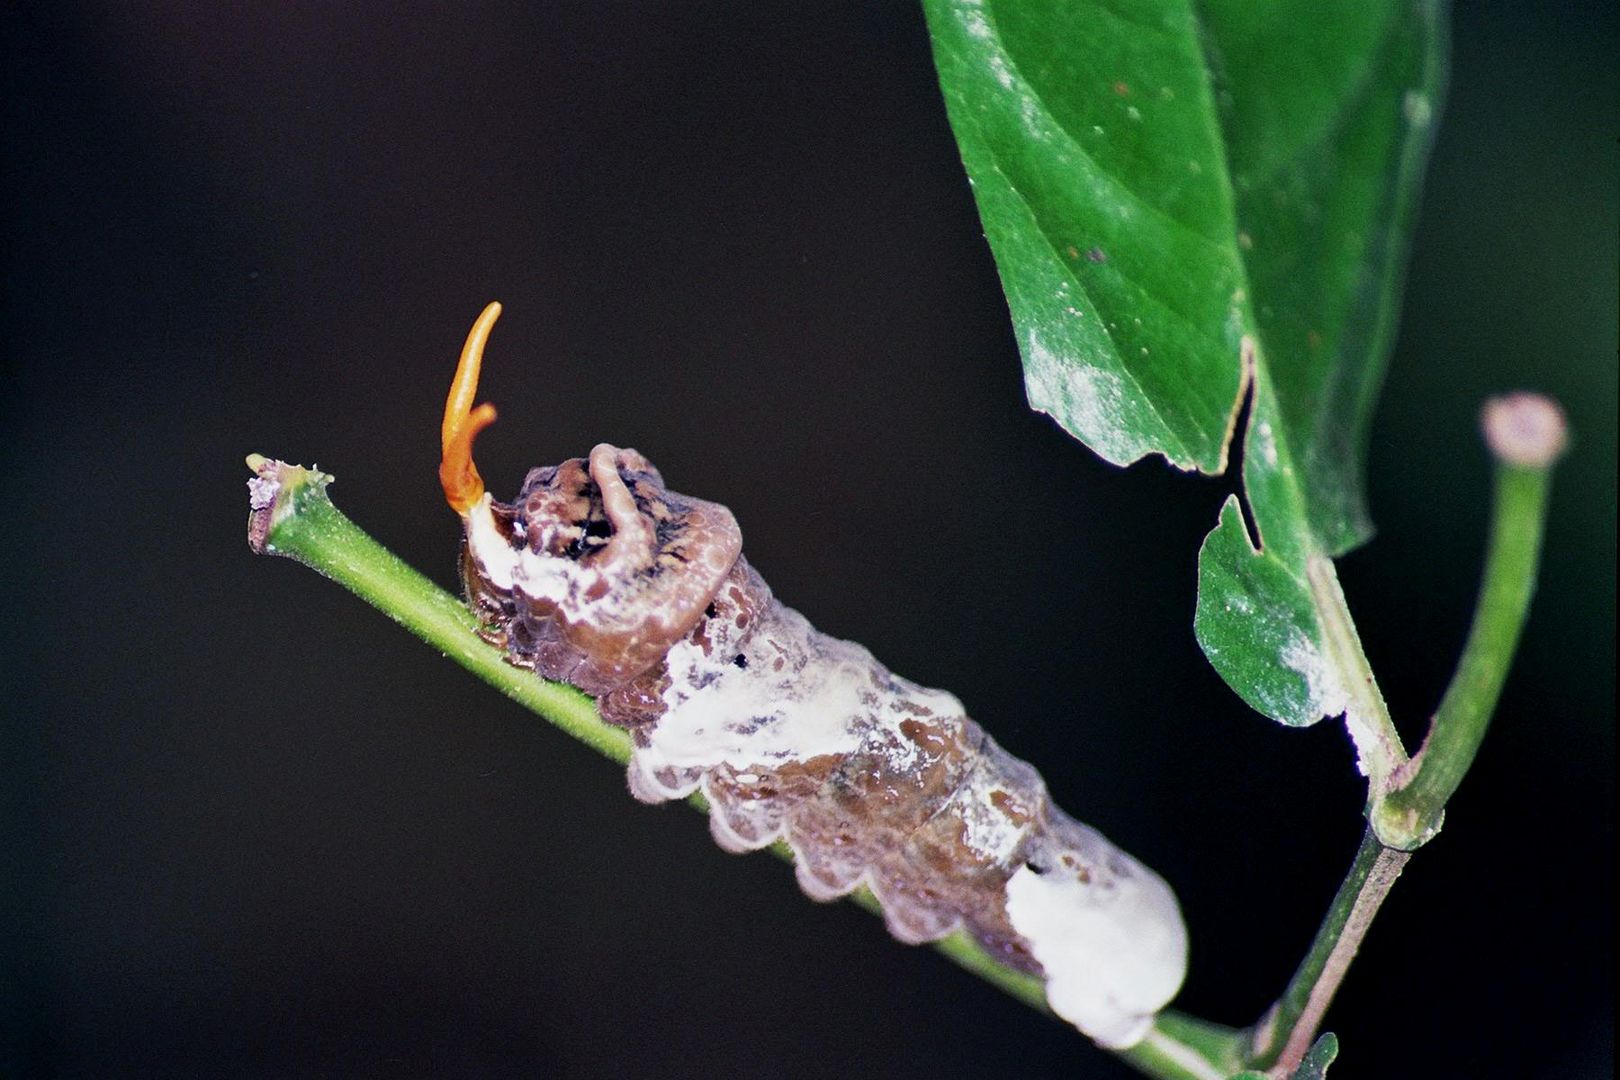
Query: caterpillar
598, 575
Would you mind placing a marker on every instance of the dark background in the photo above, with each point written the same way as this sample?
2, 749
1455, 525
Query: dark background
256, 830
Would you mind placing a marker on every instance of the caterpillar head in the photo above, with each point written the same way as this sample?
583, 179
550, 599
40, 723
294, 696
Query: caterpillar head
595, 569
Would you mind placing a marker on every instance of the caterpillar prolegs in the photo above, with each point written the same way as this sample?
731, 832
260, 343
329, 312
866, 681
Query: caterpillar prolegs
600, 576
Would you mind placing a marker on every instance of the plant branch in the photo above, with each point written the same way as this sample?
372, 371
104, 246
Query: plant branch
1527, 435
292, 516
1283, 1036
1378, 745
1182, 1047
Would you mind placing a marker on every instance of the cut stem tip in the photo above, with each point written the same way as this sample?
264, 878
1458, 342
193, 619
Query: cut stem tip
1525, 429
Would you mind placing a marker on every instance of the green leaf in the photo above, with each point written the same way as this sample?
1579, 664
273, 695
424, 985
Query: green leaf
1187, 199
1317, 1059
1090, 138
1259, 628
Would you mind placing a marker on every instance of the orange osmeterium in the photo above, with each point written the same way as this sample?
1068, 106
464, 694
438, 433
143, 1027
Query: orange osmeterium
463, 487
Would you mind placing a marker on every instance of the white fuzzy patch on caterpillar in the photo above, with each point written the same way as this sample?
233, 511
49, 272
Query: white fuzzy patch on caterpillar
1114, 947
798, 698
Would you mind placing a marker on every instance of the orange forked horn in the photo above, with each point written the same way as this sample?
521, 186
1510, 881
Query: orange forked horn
462, 485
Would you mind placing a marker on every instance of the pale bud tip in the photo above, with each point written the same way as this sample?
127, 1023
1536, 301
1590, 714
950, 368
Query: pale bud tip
1525, 429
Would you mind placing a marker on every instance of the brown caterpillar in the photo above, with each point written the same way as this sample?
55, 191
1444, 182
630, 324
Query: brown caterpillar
600, 576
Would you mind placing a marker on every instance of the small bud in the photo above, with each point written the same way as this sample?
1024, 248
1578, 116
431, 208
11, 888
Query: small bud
1525, 429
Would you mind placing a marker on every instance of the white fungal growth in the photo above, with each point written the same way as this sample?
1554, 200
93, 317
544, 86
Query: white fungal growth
799, 698
1265, 441
1088, 395
1326, 695
1108, 933
262, 492
1417, 108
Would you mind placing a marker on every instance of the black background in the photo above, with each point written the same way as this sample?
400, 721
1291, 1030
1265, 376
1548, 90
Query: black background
256, 830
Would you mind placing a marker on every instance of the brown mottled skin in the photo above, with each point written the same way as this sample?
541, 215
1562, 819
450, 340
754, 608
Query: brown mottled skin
884, 815
641, 535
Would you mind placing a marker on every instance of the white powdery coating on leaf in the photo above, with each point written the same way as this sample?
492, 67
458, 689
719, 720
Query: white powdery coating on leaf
1033, 117
1417, 108
1003, 73
1326, 697
1325, 694
1108, 934
1266, 442
1076, 393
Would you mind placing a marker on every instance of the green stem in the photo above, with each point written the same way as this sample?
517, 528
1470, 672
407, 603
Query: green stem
1372, 729
296, 519
292, 516
1182, 1047
1527, 435
1286, 1032
1413, 811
